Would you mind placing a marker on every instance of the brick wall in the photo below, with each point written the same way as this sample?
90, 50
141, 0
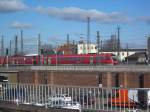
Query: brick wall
125, 79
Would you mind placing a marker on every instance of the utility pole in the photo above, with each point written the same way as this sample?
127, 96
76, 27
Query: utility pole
74, 47
101, 45
118, 42
21, 42
10, 48
67, 39
73, 42
39, 44
16, 45
88, 34
127, 52
40, 50
68, 50
148, 48
7, 56
98, 42
2, 46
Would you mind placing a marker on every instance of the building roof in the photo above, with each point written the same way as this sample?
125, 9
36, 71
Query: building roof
137, 55
125, 50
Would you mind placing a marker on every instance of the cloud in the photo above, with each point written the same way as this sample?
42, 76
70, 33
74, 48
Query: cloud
7, 6
19, 25
146, 19
77, 14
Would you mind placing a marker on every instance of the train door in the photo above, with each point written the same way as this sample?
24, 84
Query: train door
45, 61
91, 59
34, 60
49, 60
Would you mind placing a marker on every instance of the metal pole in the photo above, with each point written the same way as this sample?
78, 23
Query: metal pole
16, 45
148, 48
2, 46
39, 44
10, 48
22, 42
98, 42
56, 56
118, 45
88, 35
101, 45
68, 48
7, 57
127, 53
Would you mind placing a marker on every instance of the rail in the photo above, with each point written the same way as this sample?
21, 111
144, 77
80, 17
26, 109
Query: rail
79, 98
119, 68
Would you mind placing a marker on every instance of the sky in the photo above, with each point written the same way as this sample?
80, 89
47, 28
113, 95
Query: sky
54, 19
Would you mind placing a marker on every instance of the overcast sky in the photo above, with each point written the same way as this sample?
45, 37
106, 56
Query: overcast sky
54, 19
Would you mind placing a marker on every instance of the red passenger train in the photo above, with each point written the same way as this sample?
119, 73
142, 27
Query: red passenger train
95, 59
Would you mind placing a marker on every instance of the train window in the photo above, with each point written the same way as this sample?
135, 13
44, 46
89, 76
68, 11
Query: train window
59, 59
98, 58
77, 58
72, 59
82, 58
63, 58
69, 58
106, 58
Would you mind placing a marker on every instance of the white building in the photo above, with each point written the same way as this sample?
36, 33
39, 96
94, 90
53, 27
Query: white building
122, 54
125, 53
85, 49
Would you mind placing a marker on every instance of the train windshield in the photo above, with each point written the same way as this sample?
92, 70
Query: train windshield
98, 58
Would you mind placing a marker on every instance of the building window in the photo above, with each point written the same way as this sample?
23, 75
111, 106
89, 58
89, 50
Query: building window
127, 53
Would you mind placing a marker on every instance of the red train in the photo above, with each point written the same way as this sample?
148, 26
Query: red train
96, 59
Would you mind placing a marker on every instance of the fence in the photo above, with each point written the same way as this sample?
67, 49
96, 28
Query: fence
85, 98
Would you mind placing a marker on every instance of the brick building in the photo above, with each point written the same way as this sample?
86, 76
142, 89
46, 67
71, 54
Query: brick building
68, 49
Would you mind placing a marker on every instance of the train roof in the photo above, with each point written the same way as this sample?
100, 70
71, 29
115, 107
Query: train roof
82, 55
31, 55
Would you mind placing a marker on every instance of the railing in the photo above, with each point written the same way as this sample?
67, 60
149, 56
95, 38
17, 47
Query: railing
121, 68
81, 98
